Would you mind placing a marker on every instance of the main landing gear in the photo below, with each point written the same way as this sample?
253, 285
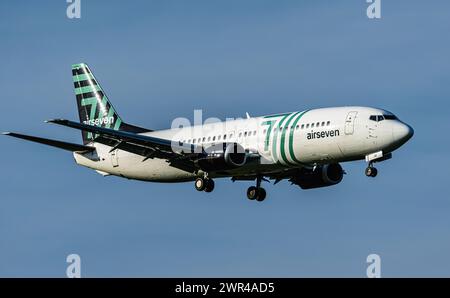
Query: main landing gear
256, 192
371, 171
253, 193
204, 184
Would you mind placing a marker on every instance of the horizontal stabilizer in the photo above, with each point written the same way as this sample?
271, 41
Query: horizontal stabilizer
54, 143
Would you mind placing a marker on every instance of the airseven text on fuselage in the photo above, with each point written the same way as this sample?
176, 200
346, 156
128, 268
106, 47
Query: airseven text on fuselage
322, 134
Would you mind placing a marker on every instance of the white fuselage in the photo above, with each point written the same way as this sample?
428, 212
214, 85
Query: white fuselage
283, 141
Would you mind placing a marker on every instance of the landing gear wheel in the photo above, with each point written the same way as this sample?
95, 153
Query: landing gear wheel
261, 194
256, 193
200, 184
371, 171
209, 187
252, 193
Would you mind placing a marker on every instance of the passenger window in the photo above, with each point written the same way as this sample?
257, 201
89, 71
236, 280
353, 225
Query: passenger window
265, 130
214, 138
240, 134
231, 135
312, 125
224, 137
317, 124
209, 139
328, 123
218, 138
254, 133
303, 126
323, 123
193, 141
204, 139
307, 125
245, 134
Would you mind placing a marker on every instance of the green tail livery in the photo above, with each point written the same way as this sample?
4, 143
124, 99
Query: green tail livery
94, 108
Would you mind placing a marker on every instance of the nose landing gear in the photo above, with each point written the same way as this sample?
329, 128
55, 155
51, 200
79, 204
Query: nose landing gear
378, 156
371, 171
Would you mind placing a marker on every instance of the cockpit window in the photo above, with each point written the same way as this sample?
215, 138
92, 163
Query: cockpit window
377, 118
390, 117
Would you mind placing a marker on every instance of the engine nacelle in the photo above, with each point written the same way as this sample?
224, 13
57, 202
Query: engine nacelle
224, 156
322, 176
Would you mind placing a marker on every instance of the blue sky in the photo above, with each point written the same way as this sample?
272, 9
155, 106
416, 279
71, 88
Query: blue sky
159, 60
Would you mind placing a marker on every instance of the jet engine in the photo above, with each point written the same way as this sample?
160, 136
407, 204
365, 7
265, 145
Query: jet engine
224, 156
321, 176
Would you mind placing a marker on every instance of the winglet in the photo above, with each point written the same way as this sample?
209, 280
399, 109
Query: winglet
6, 133
248, 115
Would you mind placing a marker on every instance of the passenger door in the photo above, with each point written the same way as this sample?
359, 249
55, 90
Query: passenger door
350, 122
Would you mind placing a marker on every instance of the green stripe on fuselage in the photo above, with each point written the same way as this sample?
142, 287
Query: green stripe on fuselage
275, 136
283, 136
291, 137
269, 131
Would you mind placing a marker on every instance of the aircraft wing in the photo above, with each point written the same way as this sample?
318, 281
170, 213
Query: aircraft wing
178, 155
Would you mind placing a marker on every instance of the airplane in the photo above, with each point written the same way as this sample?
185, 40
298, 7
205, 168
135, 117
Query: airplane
304, 147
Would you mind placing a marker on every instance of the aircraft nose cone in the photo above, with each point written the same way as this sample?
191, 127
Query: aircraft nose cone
403, 132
